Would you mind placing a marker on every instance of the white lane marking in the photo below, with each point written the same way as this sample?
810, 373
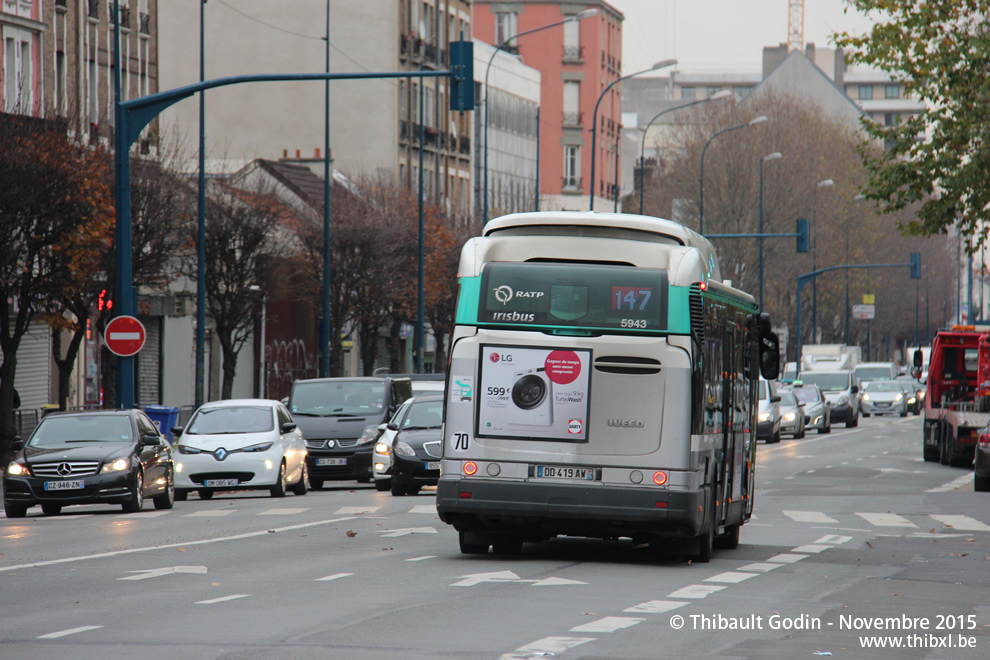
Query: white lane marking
478, 578
730, 577
845, 529
224, 599
963, 523
695, 591
422, 558
283, 512
166, 546
787, 558
143, 514
548, 645
424, 508
815, 549
834, 539
554, 582
952, 485
209, 514
391, 533
355, 510
72, 516
655, 607
169, 570
335, 576
70, 631
886, 520
810, 472
607, 625
809, 517
759, 567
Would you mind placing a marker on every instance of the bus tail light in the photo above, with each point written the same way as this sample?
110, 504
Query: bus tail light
659, 477
470, 468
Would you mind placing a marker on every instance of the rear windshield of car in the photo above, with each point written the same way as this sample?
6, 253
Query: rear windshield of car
883, 386
873, 373
232, 419
423, 415
807, 394
58, 431
346, 397
827, 382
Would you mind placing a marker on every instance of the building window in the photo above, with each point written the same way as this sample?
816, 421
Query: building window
687, 93
712, 91
572, 40
572, 164
866, 92
572, 99
506, 26
892, 91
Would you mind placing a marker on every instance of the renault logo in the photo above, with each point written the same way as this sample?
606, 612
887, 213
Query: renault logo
330, 443
64, 469
220, 454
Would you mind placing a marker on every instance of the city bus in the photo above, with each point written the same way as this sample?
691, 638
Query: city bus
602, 384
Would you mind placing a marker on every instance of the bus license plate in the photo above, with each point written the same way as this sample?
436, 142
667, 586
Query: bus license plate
64, 485
331, 461
564, 472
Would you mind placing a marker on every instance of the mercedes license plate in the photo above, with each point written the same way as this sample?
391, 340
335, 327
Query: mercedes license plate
433, 465
64, 485
564, 472
220, 483
331, 461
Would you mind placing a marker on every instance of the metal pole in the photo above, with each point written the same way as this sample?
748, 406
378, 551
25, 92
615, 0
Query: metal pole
618, 147
761, 234
537, 203
419, 305
325, 334
701, 177
201, 226
917, 316
848, 335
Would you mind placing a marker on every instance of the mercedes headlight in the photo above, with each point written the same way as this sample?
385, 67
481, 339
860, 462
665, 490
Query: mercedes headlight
118, 465
18, 470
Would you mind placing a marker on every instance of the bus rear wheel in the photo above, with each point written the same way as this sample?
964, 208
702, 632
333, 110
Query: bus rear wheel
729, 540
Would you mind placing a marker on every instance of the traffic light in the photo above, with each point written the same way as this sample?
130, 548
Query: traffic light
915, 265
803, 235
462, 75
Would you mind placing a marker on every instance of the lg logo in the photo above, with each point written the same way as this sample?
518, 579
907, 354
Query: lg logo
496, 358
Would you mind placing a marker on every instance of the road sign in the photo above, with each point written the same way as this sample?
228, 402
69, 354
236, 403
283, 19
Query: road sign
869, 298
124, 336
864, 312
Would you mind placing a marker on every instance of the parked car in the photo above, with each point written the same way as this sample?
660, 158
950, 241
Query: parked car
817, 409
884, 397
841, 390
416, 449
240, 444
981, 466
768, 415
791, 414
92, 457
339, 418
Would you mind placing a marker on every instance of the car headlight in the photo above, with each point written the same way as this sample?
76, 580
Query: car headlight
790, 417
911, 401
186, 449
118, 465
898, 397
402, 449
260, 447
921, 395
764, 417
18, 470
383, 449
369, 434
866, 397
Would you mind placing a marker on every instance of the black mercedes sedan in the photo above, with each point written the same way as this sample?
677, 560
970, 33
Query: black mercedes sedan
91, 457
416, 447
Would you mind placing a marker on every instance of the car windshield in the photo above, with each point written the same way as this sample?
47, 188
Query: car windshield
423, 415
807, 394
827, 382
787, 399
58, 431
763, 390
873, 373
884, 386
231, 419
347, 397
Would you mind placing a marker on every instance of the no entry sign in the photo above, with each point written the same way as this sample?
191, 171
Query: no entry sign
125, 336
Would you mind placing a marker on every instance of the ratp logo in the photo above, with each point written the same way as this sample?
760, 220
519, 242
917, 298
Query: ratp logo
503, 294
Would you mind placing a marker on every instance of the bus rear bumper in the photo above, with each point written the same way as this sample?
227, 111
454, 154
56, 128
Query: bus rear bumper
540, 511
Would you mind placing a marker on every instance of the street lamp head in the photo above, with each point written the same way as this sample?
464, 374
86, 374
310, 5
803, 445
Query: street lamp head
663, 64
758, 120
774, 156
587, 13
721, 94
826, 183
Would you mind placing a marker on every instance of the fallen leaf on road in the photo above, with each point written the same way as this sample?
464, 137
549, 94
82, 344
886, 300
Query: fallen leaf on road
351, 534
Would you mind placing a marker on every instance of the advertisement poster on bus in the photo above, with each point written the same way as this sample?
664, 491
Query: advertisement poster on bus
534, 393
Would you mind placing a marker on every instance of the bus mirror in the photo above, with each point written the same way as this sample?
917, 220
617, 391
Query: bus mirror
769, 355
918, 358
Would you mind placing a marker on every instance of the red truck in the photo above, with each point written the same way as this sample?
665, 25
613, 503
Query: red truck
957, 404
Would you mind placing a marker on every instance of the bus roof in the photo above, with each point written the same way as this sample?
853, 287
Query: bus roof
648, 224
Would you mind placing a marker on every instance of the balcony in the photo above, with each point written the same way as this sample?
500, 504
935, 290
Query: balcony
93, 9
144, 23
125, 18
464, 145
572, 119
573, 54
571, 184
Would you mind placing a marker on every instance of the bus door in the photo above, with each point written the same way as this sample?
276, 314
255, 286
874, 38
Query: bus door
722, 487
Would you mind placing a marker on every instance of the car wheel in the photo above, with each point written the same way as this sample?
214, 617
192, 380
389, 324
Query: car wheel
706, 541
412, 490
776, 438
866, 415
364, 480
181, 494
205, 494
398, 490
382, 485
301, 487
798, 436
854, 423
166, 499
471, 543
980, 485
135, 501
14, 510
944, 450
51, 509
315, 484
278, 490
904, 414
508, 546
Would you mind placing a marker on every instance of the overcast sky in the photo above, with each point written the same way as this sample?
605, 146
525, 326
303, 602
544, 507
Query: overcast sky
722, 35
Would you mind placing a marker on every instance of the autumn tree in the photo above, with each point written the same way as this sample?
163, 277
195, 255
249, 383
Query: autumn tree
53, 195
445, 237
937, 160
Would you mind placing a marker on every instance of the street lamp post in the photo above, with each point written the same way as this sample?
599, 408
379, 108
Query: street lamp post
642, 150
581, 15
848, 308
774, 156
594, 119
701, 178
200, 393
825, 183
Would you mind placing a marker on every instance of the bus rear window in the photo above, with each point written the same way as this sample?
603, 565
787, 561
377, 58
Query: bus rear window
573, 295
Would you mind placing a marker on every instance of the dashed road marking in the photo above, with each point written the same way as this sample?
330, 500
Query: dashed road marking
787, 558
809, 517
335, 576
210, 514
759, 567
223, 599
655, 607
886, 520
952, 485
607, 625
695, 591
70, 631
962, 523
283, 512
814, 549
355, 510
730, 577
